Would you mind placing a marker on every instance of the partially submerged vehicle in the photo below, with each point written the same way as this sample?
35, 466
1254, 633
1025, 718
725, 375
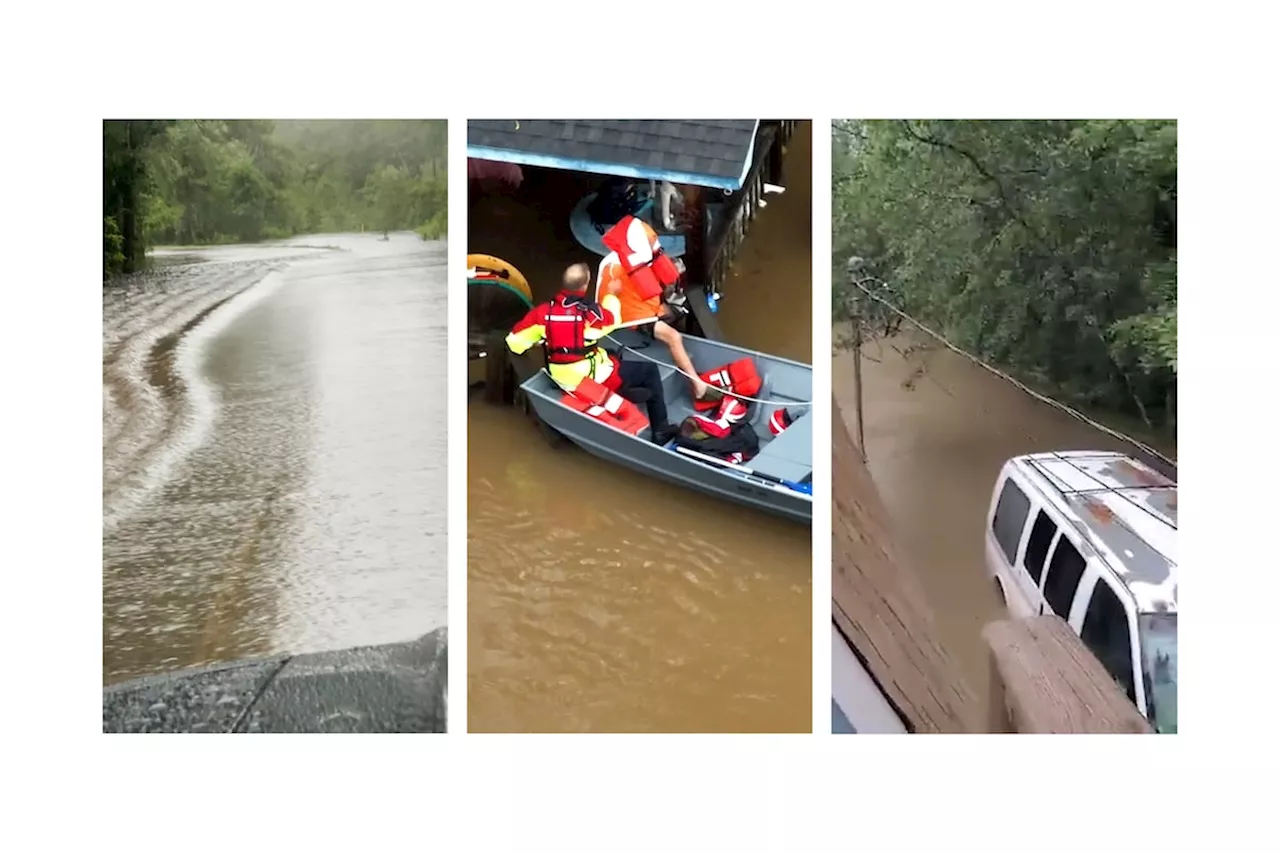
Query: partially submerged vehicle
777, 478
1093, 537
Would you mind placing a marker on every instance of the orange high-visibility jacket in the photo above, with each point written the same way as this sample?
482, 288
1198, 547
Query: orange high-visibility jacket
639, 266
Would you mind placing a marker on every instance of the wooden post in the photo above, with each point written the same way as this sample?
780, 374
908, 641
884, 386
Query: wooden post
854, 267
1045, 681
774, 173
695, 235
857, 378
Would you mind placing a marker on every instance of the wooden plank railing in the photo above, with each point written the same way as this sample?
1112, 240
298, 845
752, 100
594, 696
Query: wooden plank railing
1044, 680
877, 601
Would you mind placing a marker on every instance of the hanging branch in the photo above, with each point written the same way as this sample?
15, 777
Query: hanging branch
1005, 202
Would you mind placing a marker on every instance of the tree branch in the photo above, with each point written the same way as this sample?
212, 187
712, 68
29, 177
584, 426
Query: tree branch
1005, 202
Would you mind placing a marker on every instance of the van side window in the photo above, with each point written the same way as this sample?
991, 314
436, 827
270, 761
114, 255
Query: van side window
1106, 632
1066, 567
1038, 545
1011, 515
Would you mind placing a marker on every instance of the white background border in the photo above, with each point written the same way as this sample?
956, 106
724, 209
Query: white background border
69, 67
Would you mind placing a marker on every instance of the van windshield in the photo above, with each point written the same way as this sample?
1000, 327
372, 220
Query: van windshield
1158, 638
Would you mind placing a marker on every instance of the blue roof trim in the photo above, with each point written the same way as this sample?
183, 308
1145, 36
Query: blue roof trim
527, 158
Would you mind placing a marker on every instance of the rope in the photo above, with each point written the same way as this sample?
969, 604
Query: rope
724, 391
257, 694
1062, 407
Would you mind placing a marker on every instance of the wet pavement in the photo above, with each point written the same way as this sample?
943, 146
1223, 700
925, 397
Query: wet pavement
274, 451
398, 688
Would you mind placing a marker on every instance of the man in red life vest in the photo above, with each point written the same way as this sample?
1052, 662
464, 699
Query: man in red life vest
571, 328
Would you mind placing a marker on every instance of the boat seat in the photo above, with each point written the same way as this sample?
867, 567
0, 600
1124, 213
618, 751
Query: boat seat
789, 456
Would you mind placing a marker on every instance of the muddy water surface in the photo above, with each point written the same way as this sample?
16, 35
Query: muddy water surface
273, 451
599, 599
938, 429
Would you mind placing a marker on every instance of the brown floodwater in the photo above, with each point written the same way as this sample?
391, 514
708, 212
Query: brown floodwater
602, 600
938, 429
274, 451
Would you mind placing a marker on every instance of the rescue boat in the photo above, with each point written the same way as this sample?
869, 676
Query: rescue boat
776, 479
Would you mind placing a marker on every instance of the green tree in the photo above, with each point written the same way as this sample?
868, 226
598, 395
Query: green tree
124, 185
208, 181
1048, 247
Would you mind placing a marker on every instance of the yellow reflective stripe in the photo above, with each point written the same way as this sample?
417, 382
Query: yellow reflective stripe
568, 376
519, 342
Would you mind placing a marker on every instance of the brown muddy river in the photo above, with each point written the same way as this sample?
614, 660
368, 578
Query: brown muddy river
934, 447
602, 600
274, 451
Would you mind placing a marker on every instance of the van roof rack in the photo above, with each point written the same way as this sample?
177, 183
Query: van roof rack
1127, 512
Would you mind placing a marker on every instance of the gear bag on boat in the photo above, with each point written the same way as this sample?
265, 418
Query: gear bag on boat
737, 445
647, 267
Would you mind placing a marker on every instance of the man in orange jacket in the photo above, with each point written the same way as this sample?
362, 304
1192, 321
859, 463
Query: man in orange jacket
643, 246
571, 328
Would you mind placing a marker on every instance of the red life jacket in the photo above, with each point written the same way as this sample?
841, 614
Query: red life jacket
739, 377
598, 401
565, 340
730, 411
641, 255
779, 420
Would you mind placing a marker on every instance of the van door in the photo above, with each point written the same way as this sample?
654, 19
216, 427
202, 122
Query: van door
1034, 556
1062, 577
1108, 629
1004, 543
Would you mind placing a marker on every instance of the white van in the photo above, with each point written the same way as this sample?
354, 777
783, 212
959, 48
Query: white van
1092, 536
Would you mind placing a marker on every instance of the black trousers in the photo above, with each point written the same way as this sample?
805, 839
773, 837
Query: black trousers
643, 375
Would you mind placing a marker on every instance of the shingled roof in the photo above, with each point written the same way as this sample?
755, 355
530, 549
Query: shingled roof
710, 153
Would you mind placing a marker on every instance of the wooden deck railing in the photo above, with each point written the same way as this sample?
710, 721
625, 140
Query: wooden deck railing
878, 603
743, 206
1045, 681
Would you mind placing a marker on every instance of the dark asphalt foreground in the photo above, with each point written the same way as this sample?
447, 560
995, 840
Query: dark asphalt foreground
400, 687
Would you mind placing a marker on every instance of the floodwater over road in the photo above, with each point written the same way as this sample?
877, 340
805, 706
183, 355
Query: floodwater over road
602, 600
938, 429
274, 451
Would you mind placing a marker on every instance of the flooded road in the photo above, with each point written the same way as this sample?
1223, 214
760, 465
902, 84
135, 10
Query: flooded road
934, 450
602, 600
274, 451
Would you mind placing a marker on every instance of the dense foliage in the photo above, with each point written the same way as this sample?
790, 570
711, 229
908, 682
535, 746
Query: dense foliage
1047, 247
124, 181
205, 181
